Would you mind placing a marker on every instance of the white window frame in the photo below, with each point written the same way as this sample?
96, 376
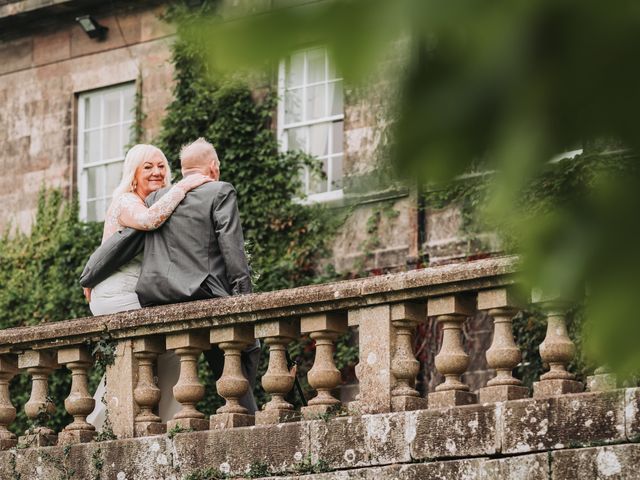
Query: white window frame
282, 128
82, 164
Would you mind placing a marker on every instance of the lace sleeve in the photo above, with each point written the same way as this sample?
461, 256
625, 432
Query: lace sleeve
134, 213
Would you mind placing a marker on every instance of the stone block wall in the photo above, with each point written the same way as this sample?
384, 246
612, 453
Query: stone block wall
588, 435
41, 74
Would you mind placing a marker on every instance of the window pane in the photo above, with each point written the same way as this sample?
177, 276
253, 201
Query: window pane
297, 139
337, 145
294, 70
112, 146
336, 173
114, 173
316, 65
91, 112
335, 98
111, 108
319, 140
92, 147
91, 211
128, 106
318, 180
293, 106
95, 182
316, 107
101, 209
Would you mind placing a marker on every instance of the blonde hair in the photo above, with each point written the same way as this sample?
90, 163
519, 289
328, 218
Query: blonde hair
136, 156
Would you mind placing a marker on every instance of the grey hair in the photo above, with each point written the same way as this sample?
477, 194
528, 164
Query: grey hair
200, 142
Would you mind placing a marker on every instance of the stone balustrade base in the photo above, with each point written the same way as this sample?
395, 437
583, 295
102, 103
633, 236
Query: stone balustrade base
451, 398
271, 417
555, 387
408, 403
195, 424
38, 440
70, 437
556, 436
7, 443
221, 421
312, 412
143, 429
502, 393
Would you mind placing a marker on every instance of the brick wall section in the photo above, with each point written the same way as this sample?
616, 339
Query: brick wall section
40, 76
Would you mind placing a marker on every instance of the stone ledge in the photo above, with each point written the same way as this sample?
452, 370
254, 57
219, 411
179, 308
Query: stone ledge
468, 276
468, 435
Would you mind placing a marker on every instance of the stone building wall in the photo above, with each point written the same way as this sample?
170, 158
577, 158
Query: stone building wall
41, 74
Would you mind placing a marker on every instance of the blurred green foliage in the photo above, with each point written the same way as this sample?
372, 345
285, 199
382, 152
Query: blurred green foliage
498, 87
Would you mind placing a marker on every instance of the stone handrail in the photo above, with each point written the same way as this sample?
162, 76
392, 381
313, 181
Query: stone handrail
385, 309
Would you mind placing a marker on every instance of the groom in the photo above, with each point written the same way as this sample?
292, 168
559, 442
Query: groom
198, 253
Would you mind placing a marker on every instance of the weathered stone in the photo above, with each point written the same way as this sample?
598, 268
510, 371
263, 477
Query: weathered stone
555, 387
120, 385
324, 376
376, 344
405, 286
340, 442
533, 425
502, 393
456, 432
632, 413
388, 437
234, 450
79, 403
451, 398
221, 421
67, 437
272, 417
8, 369
523, 467
616, 462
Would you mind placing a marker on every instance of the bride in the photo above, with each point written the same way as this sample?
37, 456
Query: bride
145, 170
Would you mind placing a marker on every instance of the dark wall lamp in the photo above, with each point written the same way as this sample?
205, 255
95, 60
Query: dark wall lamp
92, 28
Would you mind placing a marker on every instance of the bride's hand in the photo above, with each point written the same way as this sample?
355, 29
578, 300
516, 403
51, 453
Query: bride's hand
193, 181
87, 294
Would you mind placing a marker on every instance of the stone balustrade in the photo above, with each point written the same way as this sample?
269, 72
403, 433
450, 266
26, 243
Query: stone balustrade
386, 311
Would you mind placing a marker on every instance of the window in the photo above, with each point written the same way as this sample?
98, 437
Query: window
311, 118
104, 126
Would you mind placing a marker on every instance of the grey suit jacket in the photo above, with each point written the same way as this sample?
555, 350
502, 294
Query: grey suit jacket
198, 252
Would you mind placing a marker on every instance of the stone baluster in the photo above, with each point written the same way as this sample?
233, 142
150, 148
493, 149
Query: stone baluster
451, 361
404, 366
39, 364
8, 369
503, 355
324, 328
79, 403
147, 393
277, 381
557, 350
602, 380
188, 391
232, 385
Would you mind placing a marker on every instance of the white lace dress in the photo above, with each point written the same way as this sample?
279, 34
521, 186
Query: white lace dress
118, 292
